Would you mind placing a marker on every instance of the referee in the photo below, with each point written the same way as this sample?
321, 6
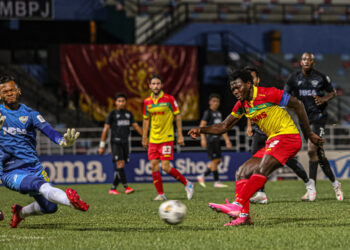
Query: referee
119, 120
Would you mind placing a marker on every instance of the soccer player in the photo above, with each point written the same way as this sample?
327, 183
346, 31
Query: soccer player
262, 105
20, 169
119, 120
161, 108
310, 86
212, 142
258, 142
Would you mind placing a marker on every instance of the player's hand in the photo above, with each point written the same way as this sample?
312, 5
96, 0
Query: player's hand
180, 140
2, 120
145, 142
318, 100
204, 143
69, 138
228, 144
315, 139
101, 151
194, 133
249, 131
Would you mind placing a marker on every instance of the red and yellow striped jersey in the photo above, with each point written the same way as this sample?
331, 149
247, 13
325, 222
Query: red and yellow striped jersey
161, 111
264, 109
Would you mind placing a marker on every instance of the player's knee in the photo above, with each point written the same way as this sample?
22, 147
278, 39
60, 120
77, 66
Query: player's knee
50, 208
31, 184
312, 154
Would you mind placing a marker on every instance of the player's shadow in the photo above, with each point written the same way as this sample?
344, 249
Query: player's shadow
47, 226
148, 230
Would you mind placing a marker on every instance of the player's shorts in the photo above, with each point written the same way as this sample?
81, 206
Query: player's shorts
14, 178
162, 151
214, 149
318, 127
281, 147
120, 152
258, 142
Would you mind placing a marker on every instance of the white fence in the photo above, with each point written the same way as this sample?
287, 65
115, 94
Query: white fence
337, 137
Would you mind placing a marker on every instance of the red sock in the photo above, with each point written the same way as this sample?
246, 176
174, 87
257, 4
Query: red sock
157, 181
239, 186
255, 182
178, 176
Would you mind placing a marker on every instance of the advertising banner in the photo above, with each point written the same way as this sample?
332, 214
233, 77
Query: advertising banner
95, 73
92, 169
339, 161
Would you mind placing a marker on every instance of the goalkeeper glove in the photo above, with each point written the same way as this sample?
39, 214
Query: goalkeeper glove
69, 138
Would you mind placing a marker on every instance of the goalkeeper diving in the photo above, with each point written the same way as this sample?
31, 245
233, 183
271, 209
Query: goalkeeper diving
20, 168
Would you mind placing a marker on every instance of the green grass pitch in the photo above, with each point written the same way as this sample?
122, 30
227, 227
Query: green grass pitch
132, 222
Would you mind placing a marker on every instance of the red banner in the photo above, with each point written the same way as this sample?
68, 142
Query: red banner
98, 72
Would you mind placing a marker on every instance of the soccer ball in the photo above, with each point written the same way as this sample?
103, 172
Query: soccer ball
172, 212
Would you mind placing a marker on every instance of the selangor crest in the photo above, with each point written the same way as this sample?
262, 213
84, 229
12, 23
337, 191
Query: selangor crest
23, 119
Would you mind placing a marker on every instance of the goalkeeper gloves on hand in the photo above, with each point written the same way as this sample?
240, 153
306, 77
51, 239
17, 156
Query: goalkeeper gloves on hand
69, 138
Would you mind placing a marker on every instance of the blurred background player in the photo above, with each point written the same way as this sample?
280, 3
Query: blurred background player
258, 142
263, 106
20, 168
212, 142
119, 120
310, 86
161, 108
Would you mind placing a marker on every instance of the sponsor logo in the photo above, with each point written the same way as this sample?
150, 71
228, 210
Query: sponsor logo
185, 165
75, 172
123, 123
127, 115
300, 82
14, 131
341, 166
260, 116
40, 118
158, 113
23, 119
307, 92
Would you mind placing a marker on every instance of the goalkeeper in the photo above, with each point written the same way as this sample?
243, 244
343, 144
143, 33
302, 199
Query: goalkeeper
20, 169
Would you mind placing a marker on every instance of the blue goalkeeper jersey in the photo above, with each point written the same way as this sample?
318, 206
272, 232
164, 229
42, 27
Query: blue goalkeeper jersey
18, 137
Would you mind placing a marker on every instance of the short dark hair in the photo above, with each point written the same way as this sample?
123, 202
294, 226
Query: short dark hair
214, 95
244, 75
118, 95
252, 69
156, 77
6, 78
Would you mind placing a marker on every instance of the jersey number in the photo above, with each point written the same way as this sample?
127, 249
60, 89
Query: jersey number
166, 150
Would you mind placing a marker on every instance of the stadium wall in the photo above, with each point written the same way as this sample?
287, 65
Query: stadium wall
294, 38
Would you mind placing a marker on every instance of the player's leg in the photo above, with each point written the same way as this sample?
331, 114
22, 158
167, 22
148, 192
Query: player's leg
189, 187
116, 156
153, 157
201, 178
299, 170
258, 142
278, 150
121, 168
216, 160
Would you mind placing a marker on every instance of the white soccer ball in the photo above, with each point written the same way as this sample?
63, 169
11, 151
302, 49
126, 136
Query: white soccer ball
172, 212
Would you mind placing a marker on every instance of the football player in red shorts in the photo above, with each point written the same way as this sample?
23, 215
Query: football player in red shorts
161, 109
262, 105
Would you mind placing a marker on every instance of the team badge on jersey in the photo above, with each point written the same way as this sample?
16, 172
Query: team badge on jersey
127, 115
40, 118
300, 82
314, 83
23, 119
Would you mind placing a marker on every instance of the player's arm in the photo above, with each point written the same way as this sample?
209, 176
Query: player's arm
320, 100
227, 140
145, 127
249, 128
203, 123
299, 109
67, 140
102, 146
137, 128
180, 137
215, 129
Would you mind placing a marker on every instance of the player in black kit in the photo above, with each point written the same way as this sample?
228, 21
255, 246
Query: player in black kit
212, 142
258, 141
314, 89
119, 120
